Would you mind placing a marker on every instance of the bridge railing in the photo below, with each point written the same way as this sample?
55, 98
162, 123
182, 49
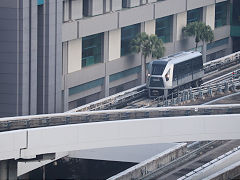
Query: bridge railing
14, 123
114, 100
222, 63
208, 90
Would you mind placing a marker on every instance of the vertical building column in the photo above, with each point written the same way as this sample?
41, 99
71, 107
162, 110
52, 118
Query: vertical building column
106, 59
66, 7
150, 27
209, 19
24, 57
58, 55
230, 42
181, 21
50, 57
143, 72
8, 170
33, 58
27, 67
65, 72
114, 45
74, 60
174, 31
210, 15
114, 49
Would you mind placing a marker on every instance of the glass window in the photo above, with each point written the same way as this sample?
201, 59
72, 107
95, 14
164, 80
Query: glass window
86, 86
221, 14
217, 43
127, 34
40, 2
216, 55
164, 28
124, 3
194, 15
86, 8
92, 49
124, 74
236, 13
197, 63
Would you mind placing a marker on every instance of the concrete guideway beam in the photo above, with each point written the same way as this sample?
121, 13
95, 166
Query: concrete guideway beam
131, 132
24, 144
11, 143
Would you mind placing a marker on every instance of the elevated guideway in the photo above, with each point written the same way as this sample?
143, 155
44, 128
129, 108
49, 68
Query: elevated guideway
120, 128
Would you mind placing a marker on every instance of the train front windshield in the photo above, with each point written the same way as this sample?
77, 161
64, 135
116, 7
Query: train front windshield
157, 69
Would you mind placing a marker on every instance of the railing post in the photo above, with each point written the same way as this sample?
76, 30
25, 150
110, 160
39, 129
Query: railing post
210, 91
219, 89
233, 87
166, 102
200, 93
226, 89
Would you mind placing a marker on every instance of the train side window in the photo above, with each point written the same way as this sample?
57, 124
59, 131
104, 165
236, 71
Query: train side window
176, 71
187, 67
197, 63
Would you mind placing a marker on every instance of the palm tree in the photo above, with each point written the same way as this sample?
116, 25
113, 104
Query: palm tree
147, 45
200, 31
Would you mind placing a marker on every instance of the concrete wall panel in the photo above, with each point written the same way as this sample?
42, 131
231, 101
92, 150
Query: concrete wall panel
85, 75
193, 4
135, 15
221, 32
69, 31
98, 24
74, 55
114, 44
150, 27
124, 63
166, 8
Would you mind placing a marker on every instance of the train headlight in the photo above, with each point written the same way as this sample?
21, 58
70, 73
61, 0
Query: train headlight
167, 76
148, 75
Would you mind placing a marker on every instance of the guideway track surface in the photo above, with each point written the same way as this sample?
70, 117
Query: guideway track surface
14, 123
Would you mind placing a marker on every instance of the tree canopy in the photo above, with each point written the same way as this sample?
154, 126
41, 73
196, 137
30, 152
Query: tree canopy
147, 45
200, 31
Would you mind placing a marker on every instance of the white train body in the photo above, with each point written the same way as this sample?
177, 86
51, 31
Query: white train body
174, 72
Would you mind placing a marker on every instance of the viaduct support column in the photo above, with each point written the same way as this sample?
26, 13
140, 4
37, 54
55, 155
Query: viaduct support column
8, 170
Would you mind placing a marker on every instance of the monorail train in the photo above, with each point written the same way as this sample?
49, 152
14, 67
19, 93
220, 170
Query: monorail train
176, 72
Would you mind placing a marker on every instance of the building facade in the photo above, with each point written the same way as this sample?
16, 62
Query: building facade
66, 53
30, 57
97, 61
